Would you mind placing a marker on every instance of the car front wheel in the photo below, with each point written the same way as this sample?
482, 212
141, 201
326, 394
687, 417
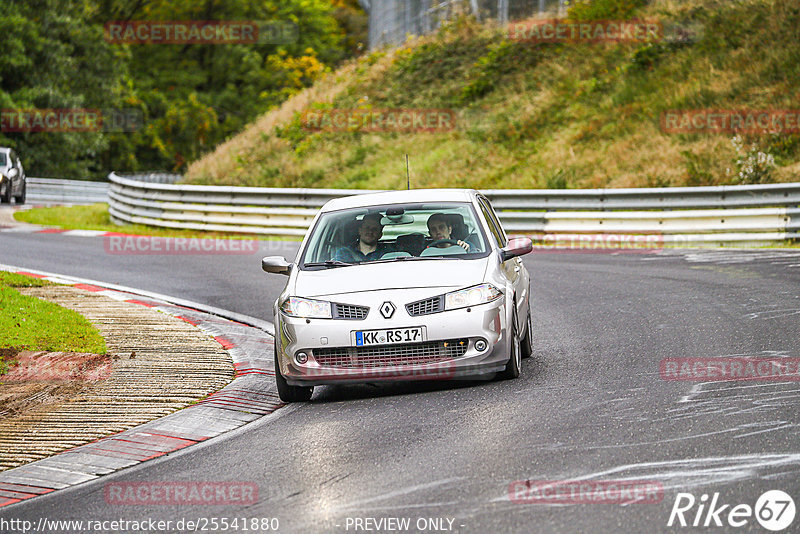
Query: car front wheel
289, 393
5, 192
20, 199
527, 342
515, 358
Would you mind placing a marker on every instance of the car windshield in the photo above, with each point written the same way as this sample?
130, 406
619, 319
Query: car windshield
397, 232
2, 159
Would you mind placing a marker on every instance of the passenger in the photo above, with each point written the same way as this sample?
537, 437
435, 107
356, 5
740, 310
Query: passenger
367, 247
440, 228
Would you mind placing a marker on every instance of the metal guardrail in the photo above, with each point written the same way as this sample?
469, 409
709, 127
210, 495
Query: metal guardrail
663, 198
731, 214
255, 210
159, 177
56, 191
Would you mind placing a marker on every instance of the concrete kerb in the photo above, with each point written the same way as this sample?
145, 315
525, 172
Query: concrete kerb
248, 397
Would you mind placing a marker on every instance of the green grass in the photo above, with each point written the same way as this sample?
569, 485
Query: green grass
20, 280
91, 217
566, 115
96, 217
29, 323
5, 365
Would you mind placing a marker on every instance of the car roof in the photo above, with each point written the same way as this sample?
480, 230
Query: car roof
399, 197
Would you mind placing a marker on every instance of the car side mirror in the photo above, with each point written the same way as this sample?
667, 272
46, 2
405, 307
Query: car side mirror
276, 265
518, 246
13, 173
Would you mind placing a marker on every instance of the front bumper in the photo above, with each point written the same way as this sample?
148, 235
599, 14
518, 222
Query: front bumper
486, 322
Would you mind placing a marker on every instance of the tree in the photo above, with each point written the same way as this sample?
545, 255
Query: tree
190, 96
53, 59
196, 95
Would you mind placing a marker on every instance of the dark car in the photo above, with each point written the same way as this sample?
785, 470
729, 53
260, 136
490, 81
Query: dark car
12, 177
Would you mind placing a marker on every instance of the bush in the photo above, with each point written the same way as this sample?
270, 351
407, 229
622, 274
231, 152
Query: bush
603, 9
753, 165
501, 59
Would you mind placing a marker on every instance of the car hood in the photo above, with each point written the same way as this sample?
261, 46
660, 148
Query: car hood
451, 273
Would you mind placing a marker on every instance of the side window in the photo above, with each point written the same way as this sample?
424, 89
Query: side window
494, 224
498, 236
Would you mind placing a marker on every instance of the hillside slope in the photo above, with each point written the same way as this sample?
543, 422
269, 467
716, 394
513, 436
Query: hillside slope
533, 115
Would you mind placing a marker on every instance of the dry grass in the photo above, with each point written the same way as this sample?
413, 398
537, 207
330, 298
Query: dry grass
226, 159
579, 116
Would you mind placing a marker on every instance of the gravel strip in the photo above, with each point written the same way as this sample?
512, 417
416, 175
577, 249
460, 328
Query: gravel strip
159, 365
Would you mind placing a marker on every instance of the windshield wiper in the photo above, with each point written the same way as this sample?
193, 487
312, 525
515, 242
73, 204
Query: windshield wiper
412, 258
329, 264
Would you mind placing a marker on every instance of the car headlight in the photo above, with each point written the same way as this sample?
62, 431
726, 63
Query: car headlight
471, 296
307, 308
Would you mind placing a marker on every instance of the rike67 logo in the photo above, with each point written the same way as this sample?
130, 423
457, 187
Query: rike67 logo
774, 510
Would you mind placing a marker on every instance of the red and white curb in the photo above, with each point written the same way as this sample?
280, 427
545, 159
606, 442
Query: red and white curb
249, 396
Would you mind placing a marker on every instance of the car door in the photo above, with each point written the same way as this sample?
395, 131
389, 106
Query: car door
513, 269
21, 169
13, 163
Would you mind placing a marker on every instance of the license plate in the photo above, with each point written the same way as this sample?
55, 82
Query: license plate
389, 336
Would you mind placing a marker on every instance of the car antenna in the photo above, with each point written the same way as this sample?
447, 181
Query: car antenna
408, 177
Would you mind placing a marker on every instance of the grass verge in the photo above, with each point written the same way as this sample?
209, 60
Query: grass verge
29, 323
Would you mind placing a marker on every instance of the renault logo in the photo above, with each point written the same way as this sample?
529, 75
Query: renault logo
387, 309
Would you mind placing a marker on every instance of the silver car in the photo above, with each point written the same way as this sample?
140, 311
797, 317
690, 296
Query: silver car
12, 177
405, 285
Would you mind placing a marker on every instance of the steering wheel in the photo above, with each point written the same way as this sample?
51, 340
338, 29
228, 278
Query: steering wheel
451, 242
346, 254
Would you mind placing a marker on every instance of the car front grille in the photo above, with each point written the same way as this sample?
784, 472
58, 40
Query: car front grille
389, 355
349, 311
426, 306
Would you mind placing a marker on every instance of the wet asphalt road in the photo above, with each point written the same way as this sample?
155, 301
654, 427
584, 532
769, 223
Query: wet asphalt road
590, 403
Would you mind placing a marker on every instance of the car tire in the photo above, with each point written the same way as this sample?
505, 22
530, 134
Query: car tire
515, 358
289, 393
5, 192
20, 199
527, 342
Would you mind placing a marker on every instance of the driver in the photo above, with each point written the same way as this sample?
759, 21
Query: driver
367, 247
440, 229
